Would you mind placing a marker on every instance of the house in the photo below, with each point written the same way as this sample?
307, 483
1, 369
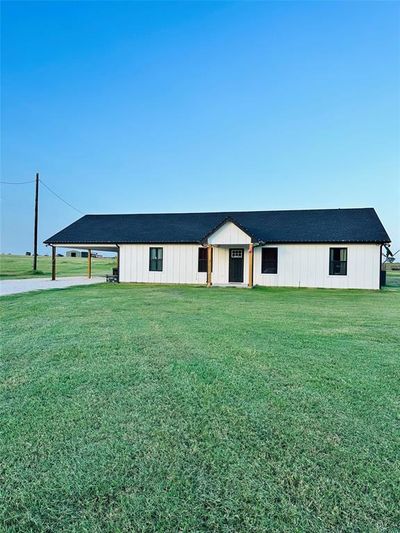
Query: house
332, 248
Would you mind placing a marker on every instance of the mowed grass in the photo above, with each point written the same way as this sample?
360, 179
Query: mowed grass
154, 408
393, 278
20, 266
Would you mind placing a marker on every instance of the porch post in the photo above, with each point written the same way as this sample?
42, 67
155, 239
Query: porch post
53, 263
251, 264
209, 265
118, 261
89, 265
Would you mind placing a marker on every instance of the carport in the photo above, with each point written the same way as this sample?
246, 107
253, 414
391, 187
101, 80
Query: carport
83, 246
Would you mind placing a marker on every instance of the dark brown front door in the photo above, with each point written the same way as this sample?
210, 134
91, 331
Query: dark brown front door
236, 265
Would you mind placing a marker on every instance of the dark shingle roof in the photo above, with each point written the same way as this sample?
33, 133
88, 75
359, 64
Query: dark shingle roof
302, 226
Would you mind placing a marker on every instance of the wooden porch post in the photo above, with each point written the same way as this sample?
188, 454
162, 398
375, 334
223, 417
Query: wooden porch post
118, 261
209, 265
251, 264
53, 263
89, 265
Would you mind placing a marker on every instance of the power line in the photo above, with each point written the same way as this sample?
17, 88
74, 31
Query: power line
47, 187
16, 182
59, 197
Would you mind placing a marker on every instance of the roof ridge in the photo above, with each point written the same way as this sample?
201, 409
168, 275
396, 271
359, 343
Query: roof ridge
228, 213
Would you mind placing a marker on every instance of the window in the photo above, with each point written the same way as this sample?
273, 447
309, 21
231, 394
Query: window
203, 259
237, 253
269, 261
156, 259
338, 261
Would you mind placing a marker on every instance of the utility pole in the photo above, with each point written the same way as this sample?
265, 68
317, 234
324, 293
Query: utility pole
35, 235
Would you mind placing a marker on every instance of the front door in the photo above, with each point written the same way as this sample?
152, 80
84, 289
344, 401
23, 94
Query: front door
236, 265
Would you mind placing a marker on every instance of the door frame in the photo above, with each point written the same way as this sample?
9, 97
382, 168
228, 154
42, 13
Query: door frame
230, 259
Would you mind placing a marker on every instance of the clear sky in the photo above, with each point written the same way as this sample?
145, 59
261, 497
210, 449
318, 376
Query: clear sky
130, 107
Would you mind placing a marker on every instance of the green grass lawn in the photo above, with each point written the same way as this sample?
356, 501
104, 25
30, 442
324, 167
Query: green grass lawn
393, 278
154, 408
20, 266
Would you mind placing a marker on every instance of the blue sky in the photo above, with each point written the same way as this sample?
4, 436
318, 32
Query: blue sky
198, 106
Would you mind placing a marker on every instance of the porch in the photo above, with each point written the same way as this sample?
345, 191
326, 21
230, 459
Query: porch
230, 265
230, 256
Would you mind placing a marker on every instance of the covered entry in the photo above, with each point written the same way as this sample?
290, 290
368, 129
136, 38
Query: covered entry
232, 250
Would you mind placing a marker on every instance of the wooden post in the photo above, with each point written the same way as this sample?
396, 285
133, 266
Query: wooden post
209, 265
35, 230
53, 263
89, 265
251, 264
118, 262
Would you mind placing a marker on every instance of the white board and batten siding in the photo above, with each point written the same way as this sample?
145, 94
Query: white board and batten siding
299, 265
307, 265
180, 264
229, 234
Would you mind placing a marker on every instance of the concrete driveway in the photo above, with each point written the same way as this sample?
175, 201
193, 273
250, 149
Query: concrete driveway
14, 286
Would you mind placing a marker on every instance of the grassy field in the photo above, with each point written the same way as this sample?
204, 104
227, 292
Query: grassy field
393, 278
20, 266
153, 408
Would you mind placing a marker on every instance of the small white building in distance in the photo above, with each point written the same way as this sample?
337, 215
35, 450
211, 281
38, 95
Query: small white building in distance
330, 248
81, 253
76, 253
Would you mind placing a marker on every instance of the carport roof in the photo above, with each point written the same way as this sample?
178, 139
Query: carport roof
359, 225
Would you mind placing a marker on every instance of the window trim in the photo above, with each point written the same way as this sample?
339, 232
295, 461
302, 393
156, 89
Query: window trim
159, 261
204, 260
276, 263
333, 262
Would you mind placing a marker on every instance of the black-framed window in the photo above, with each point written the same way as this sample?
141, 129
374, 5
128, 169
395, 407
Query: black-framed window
269, 261
203, 259
156, 259
338, 261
